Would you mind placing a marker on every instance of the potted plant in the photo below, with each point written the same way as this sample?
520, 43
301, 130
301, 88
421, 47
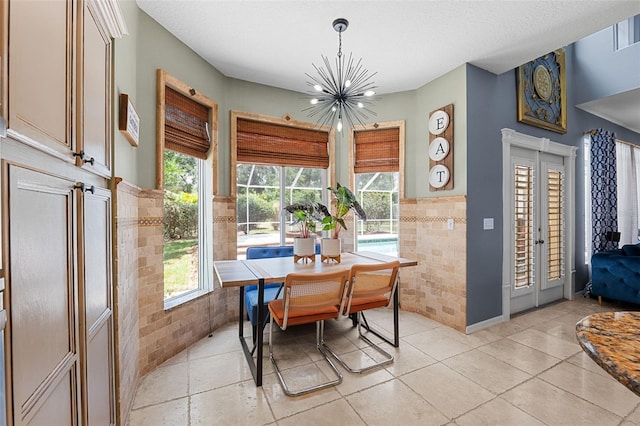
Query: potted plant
305, 217
343, 201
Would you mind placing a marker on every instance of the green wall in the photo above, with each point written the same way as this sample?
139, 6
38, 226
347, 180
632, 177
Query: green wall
149, 47
451, 88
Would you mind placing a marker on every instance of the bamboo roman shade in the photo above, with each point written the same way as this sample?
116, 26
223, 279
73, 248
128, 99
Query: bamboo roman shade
377, 150
185, 125
260, 142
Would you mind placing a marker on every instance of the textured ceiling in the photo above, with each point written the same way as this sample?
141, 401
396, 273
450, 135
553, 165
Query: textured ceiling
407, 43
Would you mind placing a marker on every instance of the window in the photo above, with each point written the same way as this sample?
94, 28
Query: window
378, 158
523, 226
628, 191
627, 32
186, 150
277, 162
628, 194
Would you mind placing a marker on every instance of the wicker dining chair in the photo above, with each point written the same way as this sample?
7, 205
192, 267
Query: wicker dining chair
309, 298
370, 286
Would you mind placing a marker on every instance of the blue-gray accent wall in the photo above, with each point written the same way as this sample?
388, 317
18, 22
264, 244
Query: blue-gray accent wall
492, 106
602, 71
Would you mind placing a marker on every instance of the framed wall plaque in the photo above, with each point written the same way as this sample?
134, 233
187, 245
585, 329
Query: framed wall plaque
441, 149
129, 122
541, 87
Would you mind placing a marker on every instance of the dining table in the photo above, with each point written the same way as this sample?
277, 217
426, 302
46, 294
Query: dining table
241, 273
611, 340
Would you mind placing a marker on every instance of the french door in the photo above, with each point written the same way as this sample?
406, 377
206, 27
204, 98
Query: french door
538, 228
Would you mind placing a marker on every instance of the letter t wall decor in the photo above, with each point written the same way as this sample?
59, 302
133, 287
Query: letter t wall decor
542, 98
441, 149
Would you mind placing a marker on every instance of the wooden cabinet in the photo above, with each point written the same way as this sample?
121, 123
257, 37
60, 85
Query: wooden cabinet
96, 302
94, 92
42, 293
56, 245
59, 73
41, 73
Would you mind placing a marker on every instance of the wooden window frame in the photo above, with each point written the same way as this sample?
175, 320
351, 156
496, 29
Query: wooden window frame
284, 121
400, 125
164, 79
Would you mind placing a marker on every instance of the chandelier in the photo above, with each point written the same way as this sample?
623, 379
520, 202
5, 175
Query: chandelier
345, 94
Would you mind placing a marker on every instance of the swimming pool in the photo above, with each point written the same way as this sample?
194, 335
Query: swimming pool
384, 245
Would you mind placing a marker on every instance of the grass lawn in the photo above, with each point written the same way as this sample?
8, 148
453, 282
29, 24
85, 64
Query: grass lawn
180, 266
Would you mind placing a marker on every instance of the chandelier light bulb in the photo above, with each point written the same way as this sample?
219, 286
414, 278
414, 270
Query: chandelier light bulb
343, 90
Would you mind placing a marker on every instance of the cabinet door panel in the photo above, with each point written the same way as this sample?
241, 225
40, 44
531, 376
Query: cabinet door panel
96, 293
96, 99
96, 249
42, 293
40, 71
100, 376
59, 408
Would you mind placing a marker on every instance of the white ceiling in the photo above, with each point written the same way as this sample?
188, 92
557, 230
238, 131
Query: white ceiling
408, 43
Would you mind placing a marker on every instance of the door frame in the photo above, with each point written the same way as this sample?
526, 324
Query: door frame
511, 138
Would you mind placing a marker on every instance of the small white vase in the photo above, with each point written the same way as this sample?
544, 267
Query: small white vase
331, 247
304, 246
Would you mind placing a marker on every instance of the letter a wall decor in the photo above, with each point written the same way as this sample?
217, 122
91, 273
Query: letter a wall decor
441, 149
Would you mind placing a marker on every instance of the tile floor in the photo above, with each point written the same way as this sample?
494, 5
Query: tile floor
528, 371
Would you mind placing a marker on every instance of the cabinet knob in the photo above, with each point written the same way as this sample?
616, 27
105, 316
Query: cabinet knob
90, 160
84, 188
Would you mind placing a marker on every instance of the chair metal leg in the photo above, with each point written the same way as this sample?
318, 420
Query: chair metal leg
388, 358
319, 346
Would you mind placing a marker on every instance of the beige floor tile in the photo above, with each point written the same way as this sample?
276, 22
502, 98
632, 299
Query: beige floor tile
605, 392
508, 328
285, 406
439, 343
393, 403
448, 391
163, 384
437, 372
487, 371
563, 327
237, 404
172, 413
520, 356
217, 371
546, 343
406, 359
583, 360
497, 412
634, 417
354, 382
336, 413
221, 342
555, 406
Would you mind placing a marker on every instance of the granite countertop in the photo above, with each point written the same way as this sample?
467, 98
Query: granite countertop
612, 339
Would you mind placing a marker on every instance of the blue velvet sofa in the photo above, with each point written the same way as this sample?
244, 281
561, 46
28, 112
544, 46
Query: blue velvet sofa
615, 274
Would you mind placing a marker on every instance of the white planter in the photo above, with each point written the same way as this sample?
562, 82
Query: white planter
304, 246
331, 247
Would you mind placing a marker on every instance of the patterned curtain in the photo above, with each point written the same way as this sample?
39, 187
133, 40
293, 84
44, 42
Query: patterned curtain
604, 199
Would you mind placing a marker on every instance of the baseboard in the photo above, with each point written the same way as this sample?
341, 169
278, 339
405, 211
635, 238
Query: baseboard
484, 324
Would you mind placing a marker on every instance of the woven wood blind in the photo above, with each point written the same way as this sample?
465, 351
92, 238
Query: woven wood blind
185, 125
377, 150
260, 142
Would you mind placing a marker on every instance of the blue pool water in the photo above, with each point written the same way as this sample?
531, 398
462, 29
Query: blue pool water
379, 245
